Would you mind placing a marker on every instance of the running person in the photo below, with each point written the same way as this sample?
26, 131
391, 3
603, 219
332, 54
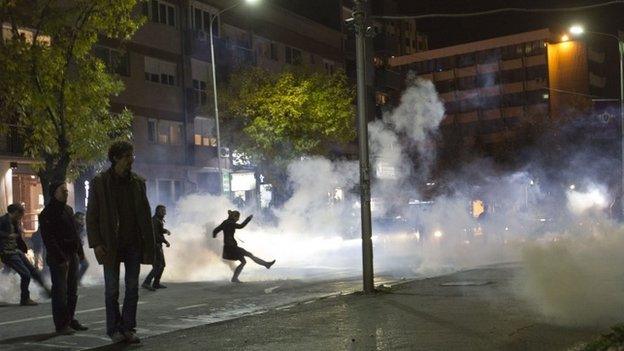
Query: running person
231, 250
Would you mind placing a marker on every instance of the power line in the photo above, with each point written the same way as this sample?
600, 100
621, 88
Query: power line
501, 10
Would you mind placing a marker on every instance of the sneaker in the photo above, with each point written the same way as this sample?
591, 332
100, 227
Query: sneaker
28, 302
269, 264
65, 331
117, 337
131, 338
75, 325
159, 286
147, 287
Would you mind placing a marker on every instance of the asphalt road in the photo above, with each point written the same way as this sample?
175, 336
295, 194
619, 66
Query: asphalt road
180, 306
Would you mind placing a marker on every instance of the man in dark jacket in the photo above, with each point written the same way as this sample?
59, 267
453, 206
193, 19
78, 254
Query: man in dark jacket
60, 237
158, 222
119, 229
12, 250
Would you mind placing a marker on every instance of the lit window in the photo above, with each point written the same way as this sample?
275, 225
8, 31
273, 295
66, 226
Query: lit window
204, 135
165, 132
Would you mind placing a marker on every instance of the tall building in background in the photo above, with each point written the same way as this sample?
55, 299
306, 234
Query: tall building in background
492, 87
391, 38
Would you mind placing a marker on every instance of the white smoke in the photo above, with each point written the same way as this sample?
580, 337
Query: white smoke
576, 279
418, 116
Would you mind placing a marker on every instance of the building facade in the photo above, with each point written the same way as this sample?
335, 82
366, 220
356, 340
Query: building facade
166, 69
491, 88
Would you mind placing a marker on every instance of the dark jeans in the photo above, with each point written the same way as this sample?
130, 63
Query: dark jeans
64, 291
126, 319
157, 268
20, 264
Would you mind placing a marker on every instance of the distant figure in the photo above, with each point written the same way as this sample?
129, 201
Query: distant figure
158, 222
82, 233
64, 251
36, 244
231, 250
119, 229
13, 249
239, 202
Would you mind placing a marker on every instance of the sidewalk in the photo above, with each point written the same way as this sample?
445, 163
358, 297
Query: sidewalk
477, 311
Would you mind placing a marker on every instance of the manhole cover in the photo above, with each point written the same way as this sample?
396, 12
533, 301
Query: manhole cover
466, 283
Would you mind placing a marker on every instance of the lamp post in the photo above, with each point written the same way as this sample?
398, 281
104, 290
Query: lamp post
214, 86
578, 30
361, 31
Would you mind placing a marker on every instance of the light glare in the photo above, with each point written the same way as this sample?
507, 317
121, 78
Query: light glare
577, 29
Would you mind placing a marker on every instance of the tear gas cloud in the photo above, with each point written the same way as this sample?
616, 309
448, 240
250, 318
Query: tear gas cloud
567, 246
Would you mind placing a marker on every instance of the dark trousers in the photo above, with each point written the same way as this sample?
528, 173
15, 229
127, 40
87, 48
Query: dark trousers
125, 320
64, 291
157, 268
20, 264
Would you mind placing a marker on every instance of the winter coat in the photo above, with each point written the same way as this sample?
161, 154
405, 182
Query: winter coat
7, 244
59, 233
159, 230
103, 217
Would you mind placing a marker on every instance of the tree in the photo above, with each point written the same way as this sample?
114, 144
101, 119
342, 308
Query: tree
54, 90
277, 117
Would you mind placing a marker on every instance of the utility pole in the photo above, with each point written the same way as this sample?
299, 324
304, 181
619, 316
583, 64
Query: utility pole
361, 31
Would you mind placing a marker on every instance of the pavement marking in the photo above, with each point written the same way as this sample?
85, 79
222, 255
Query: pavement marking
53, 345
93, 336
191, 306
271, 289
50, 316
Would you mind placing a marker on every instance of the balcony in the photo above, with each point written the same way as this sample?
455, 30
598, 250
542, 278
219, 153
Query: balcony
203, 156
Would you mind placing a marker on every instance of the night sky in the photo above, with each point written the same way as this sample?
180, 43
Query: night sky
444, 32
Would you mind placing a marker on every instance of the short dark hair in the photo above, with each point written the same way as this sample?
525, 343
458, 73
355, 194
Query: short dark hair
118, 149
158, 207
16, 207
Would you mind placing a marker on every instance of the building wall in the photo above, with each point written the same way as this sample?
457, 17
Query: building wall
242, 38
569, 78
492, 87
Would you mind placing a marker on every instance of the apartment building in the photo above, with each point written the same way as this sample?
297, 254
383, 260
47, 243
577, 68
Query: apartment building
166, 69
491, 87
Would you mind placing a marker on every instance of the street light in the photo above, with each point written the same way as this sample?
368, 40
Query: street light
214, 85
578, 30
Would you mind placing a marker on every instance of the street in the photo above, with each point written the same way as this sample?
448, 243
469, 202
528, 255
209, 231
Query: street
475, 309
180, 306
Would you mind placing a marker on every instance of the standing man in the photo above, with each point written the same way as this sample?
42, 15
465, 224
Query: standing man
158, 222
119, 229
60, 237
12, 250
80, 227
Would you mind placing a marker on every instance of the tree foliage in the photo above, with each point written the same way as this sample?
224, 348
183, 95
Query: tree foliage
288, 114
53, 89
